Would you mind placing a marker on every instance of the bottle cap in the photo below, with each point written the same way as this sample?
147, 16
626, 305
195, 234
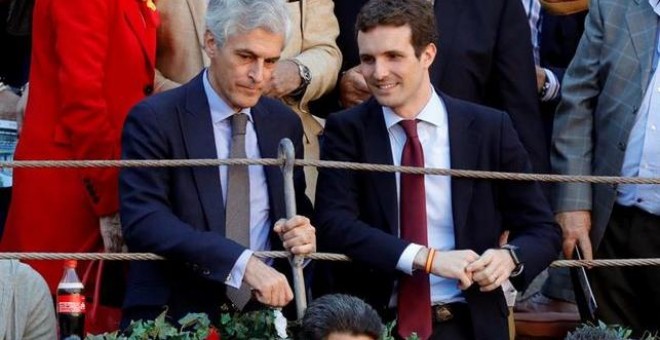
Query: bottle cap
70, 263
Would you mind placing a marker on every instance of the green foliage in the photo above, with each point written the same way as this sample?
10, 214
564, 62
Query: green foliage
196, 326
605, 332
389, 328
254, 325
192, 327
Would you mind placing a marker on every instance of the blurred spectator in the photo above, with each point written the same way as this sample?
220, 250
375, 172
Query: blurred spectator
91, 61
26, 307
340, 317
607, 125
308, 68
15, 19
555, 39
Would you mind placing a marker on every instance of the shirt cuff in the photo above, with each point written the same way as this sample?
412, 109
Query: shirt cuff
407, 258
235, 277
553, 86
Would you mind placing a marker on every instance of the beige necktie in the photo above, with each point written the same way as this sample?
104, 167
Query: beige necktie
237, 208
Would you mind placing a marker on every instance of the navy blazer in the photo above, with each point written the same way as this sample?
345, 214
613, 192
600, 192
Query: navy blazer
484, 56
558, 41
178, 212
357, 215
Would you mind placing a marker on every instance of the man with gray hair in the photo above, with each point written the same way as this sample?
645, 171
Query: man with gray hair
208, 221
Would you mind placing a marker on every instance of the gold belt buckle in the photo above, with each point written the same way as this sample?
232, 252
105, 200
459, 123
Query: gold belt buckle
442, 313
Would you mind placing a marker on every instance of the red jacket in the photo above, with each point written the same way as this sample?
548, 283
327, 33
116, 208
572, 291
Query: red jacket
92, 60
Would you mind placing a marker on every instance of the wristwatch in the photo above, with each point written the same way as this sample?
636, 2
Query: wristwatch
513, 251
305, 78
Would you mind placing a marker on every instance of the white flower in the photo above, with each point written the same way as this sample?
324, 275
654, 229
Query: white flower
280, 324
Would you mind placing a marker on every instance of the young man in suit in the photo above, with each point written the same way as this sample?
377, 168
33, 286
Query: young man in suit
427, 248
484, 56
205, 220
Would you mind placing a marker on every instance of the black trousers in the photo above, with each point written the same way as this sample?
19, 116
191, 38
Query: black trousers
629, 296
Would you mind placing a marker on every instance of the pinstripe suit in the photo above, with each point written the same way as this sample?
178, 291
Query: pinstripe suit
602, 90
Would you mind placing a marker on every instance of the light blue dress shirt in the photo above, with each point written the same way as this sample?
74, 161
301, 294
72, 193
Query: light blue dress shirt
260, 223
642, 157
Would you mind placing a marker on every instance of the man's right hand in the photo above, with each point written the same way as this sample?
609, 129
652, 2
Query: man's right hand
353, 88
575, 227
270, 287
449, 264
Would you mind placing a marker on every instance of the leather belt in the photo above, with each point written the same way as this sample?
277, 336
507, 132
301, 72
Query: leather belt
447, 311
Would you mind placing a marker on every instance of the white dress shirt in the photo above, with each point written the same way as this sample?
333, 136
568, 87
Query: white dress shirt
260, 223
433, 134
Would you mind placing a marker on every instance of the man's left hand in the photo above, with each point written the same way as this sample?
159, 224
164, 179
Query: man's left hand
285, 79
491, 269
297, 234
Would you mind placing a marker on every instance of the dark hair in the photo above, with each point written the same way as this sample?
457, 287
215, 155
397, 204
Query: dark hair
418, 14
342, 314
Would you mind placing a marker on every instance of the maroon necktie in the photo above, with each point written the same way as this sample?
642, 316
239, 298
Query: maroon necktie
414, 305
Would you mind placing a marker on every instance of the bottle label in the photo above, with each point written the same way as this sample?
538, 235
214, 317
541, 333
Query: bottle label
71, 304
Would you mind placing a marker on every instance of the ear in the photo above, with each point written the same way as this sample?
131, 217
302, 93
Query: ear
210, 45
428, 55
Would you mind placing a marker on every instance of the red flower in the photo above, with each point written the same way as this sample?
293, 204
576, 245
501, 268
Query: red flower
213, 334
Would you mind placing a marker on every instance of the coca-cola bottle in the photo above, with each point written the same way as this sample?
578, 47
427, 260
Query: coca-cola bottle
71, 304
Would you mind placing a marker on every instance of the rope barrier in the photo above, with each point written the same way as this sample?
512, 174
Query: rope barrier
284, 254
334, 165
319, 164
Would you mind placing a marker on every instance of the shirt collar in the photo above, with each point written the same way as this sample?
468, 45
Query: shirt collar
434, 112
220, 110
655, 4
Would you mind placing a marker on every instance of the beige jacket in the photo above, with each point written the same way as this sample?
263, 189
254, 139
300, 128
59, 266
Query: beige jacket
180, 55
26, 307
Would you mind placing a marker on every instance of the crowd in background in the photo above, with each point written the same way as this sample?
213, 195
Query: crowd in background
578, 83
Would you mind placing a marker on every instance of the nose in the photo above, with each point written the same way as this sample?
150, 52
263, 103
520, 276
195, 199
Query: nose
257, 71
380, 69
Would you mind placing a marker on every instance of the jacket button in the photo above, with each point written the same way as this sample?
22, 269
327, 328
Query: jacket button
621, 146
206, 272
148, 89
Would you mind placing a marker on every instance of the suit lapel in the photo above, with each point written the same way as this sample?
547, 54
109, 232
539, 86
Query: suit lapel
197, 132
378, 151
447, 29
464, 152
642, 22
197, 10
269, 140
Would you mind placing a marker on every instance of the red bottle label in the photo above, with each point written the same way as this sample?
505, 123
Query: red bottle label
71, 304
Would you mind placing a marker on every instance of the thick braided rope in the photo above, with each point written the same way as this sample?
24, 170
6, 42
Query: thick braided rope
284, 254
332, 164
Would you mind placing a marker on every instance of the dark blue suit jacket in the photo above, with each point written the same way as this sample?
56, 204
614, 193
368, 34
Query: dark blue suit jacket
484, 56
357, 211
558, 42
179, 212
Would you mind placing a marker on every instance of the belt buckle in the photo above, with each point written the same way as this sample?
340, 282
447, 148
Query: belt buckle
442, 313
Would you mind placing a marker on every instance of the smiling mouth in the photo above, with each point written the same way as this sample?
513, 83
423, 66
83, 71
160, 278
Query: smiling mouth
385, 87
